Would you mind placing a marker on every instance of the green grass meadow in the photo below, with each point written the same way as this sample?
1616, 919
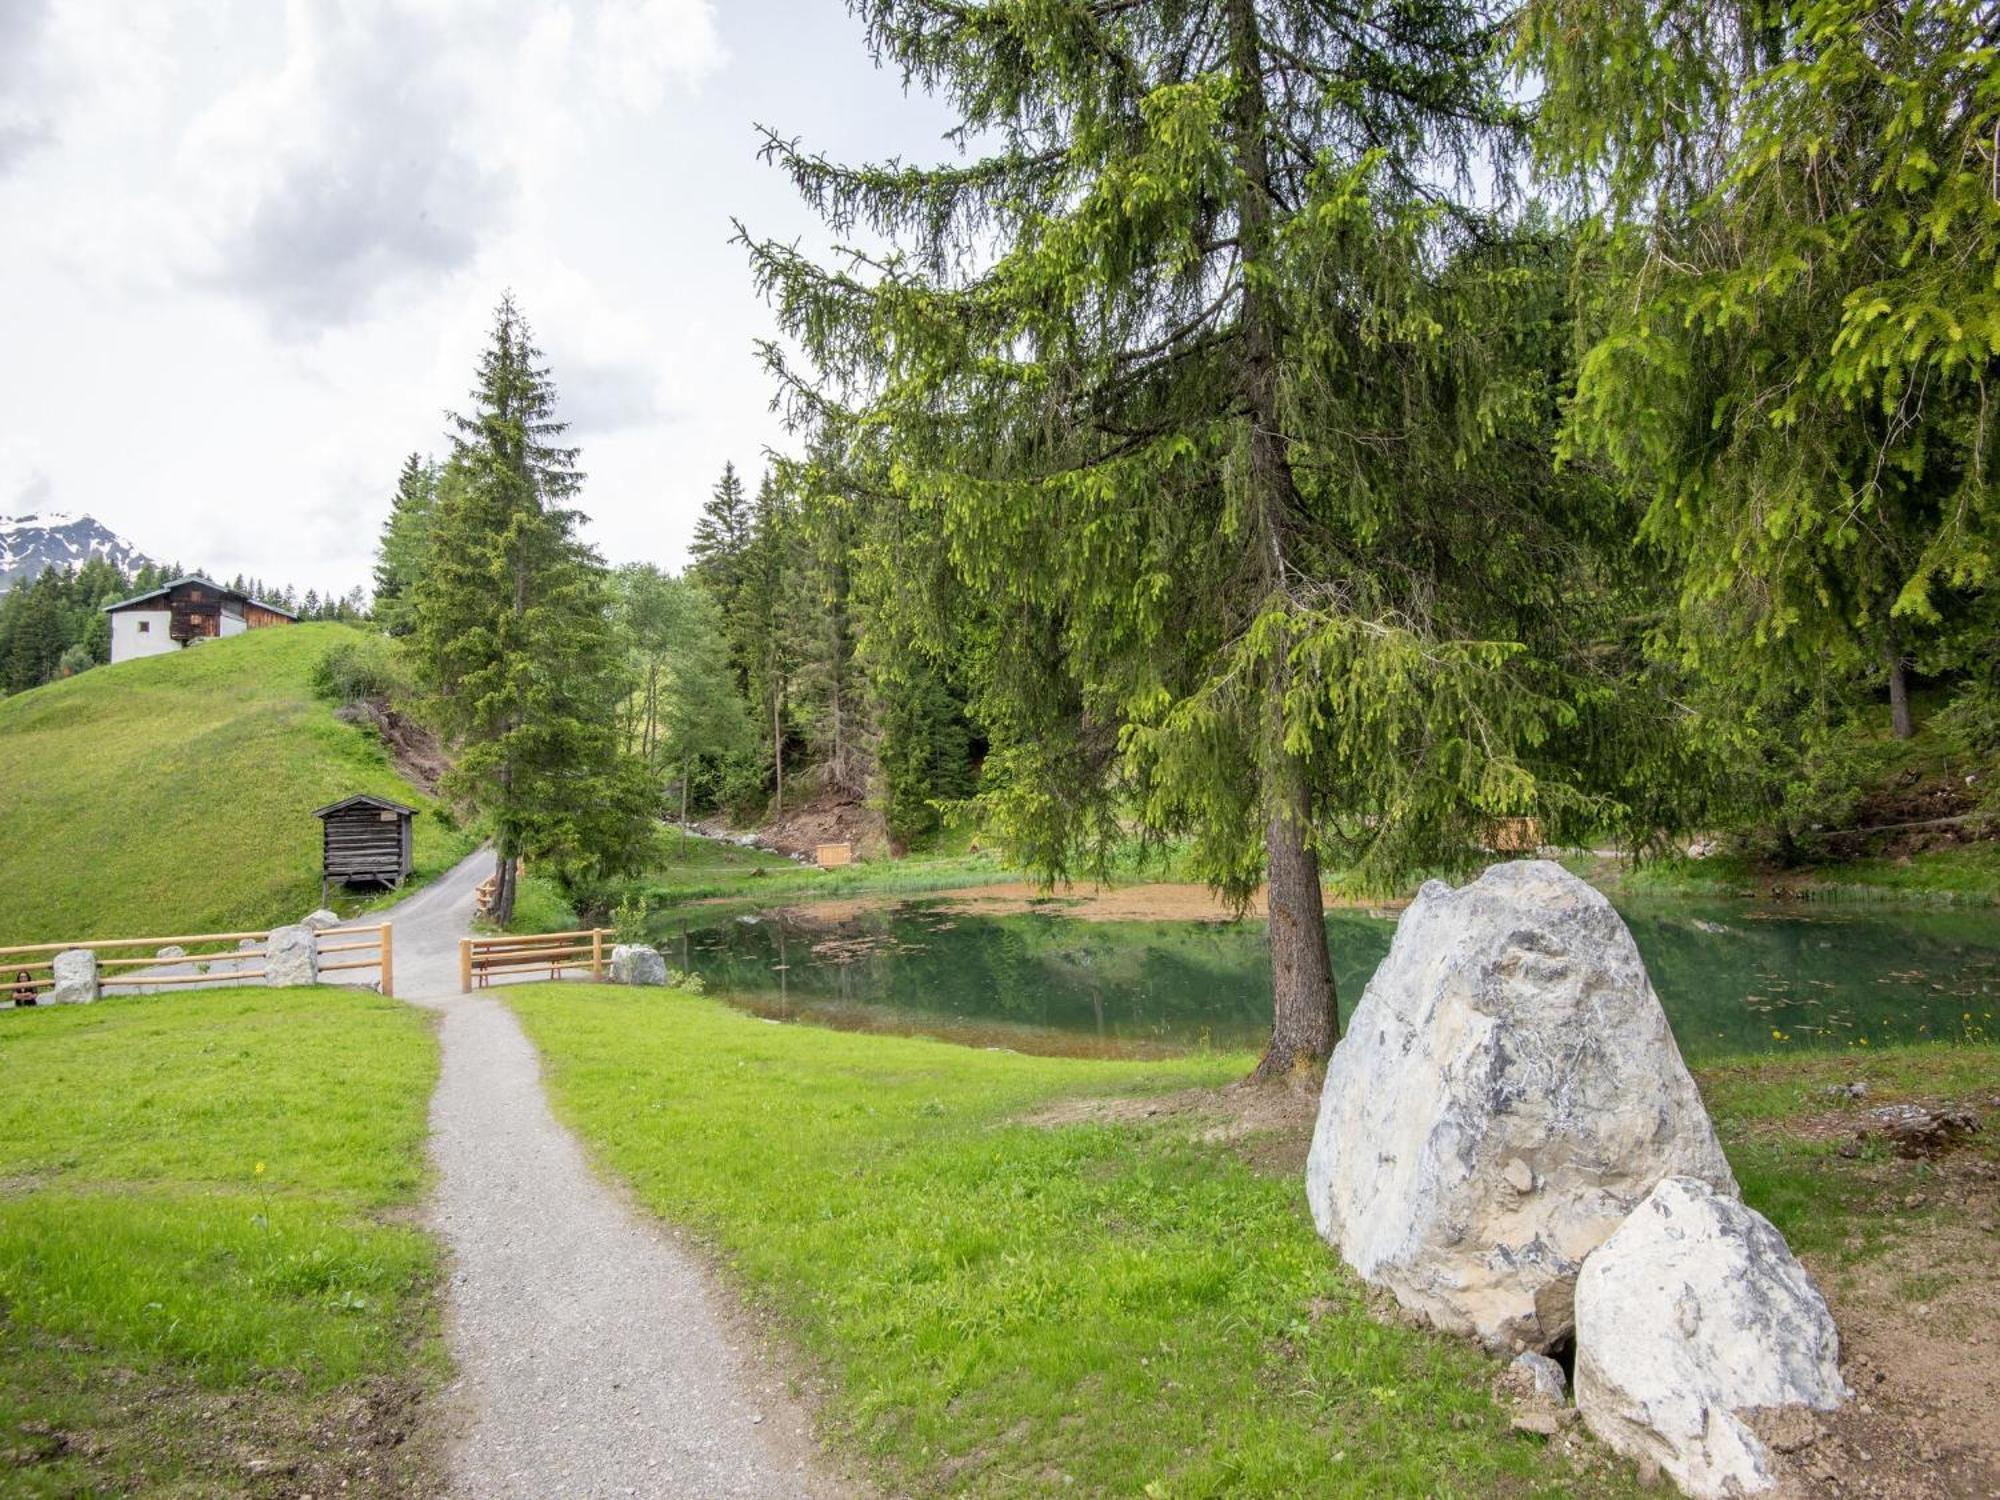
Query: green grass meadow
175, 793
208, 1284
1004, 1309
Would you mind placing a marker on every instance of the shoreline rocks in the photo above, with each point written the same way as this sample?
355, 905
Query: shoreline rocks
1507, 1091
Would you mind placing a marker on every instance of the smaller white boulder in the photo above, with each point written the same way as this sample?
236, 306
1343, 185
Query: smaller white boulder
172, 950
75, 978
320, 920
634, 963
1692, 1316
291, 956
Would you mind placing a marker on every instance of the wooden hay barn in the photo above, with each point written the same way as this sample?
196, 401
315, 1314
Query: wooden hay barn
366, 841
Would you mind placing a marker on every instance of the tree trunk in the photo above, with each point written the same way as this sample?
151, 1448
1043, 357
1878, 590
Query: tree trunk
652, 734
1304, 1021
778, 752
1305, 1014
1900, 722
685, 772
503, 885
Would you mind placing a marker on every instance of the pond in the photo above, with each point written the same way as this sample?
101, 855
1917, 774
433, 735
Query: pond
1734, 978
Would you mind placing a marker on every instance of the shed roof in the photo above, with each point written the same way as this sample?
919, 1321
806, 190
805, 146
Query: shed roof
363, 799
168, 588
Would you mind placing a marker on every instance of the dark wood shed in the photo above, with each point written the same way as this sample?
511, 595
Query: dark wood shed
366, 841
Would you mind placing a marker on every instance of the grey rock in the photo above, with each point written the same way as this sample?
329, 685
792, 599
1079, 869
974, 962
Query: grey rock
1507, 1091
320, 920
172, 950
634, 963
291, 956
75, 978
1691, 1319
1542, 1375
1542, 1421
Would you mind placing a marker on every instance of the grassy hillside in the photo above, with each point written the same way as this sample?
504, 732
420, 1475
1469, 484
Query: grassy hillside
175, 794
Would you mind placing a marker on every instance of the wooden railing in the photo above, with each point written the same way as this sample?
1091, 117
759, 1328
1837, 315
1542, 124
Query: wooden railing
479, 959
205, 958
379, 939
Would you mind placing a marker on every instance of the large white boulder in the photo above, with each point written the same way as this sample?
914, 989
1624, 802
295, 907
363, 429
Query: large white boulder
1690, 1317
291, 956
1506, 1092
74, 978
634, 963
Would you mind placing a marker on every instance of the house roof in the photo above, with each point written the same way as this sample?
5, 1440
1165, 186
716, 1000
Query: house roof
363, 799
168, 588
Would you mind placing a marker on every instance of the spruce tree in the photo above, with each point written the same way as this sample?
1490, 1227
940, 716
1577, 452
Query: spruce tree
36, 641
766, 619
1791, 316
721, 540
1225, 398
400, 555
514, 643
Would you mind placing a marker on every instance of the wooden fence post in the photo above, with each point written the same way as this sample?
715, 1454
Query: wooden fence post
388, 959
597, 953
465, 966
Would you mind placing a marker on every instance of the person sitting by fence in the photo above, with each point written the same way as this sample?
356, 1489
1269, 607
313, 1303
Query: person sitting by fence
24, 988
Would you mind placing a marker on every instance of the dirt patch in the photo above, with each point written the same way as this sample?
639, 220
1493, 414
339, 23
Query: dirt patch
1920, 1336
829, 818
416, 753
1158, 902
1269, 1124
138, 1430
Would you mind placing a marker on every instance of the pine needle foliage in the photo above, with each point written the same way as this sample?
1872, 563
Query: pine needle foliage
1224, 396
514, 642
1791, 314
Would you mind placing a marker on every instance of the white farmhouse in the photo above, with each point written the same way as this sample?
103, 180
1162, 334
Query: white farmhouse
183, 612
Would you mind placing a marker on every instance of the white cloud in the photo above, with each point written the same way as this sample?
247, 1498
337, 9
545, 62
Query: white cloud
252, 252
397, 139
639, 47
24, 124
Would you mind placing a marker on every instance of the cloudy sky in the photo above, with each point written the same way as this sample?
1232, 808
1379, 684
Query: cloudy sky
248, 250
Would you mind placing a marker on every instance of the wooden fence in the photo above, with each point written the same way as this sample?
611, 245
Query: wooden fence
479, 959
379, 939
208, 958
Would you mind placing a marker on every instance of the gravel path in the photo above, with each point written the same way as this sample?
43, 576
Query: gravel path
594, 1358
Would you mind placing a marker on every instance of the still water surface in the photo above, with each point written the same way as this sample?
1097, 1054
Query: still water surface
1733, 977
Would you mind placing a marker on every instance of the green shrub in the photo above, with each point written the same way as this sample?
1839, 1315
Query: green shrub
1970, 724
629, 918
358, 669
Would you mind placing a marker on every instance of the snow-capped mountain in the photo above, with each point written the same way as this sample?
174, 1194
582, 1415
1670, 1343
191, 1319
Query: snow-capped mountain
29, 544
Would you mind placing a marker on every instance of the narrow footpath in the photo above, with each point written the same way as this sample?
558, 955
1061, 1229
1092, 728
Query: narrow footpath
593, 1358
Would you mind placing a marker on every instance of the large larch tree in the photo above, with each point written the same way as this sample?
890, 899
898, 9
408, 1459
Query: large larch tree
1225, 394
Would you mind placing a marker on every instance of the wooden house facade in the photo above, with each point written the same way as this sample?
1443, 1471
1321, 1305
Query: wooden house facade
185, 611
365, 841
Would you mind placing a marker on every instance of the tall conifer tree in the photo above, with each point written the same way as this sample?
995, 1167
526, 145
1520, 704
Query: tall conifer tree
514, 641
401, 553
1225, 399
